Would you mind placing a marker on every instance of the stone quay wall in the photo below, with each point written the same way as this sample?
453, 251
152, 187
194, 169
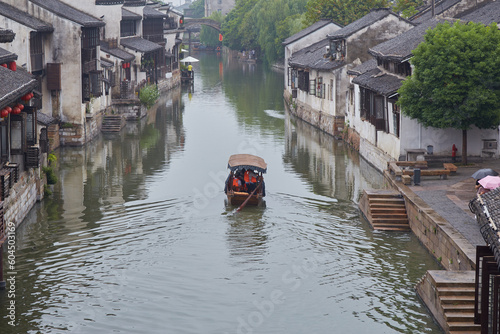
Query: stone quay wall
442, 240
23, 195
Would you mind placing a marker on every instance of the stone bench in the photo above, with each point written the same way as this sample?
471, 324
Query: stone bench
406, 179
442, 173
415, 164
451, 167
395, 169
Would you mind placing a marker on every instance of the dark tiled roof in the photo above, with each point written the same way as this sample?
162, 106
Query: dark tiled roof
486, 14
70, 13
128, 15
151, 13
401, 46
362, 68
440, 6
24, 18
6, 35
134, 3
379, 82
315, 26
45, 119
14, 85
106, 63
6, 56
117, 52
487, 211
139, 44
312, 57
373, 16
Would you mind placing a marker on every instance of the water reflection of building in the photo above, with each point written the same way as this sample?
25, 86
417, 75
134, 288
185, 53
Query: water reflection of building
113, 170
333, 169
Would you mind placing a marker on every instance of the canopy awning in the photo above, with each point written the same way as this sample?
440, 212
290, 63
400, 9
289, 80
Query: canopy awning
247, 161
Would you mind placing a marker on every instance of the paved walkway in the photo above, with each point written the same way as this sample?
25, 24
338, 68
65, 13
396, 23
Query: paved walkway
450, 198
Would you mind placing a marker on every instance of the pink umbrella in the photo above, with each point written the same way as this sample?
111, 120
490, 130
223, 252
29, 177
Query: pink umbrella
490, 182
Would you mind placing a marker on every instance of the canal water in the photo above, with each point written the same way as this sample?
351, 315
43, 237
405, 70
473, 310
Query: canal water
137, 237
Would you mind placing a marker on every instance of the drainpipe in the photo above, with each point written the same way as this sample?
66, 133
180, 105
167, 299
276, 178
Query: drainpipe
420, 136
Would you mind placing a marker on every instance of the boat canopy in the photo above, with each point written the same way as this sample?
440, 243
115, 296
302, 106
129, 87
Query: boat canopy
247, 161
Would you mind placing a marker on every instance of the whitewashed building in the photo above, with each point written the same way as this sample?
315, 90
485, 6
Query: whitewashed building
317, 87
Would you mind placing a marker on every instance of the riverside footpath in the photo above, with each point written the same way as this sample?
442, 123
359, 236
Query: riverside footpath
446, 201
439, 215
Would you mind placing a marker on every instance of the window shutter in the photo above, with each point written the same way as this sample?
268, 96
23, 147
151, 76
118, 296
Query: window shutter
53, 76
18, 133
30, 125
96, 83
312, 87
32, 157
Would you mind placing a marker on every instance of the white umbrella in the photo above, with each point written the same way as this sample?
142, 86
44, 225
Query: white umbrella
189, 60
184, 50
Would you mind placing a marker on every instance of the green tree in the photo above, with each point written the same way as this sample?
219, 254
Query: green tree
262, 25
407, 8
340, 11
233, 21
455, 79
198, 8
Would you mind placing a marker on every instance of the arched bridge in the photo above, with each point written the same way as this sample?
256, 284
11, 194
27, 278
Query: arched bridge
207, 22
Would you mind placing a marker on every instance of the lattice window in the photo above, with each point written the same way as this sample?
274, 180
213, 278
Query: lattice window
127, 28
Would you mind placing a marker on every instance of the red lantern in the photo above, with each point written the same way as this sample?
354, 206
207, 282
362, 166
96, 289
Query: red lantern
9, 109
4, 113
20, 106
124, 65
13, 66
4, 65
31, 95
128, 65
16, 111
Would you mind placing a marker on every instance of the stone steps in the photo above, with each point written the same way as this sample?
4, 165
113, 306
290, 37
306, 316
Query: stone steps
457, 301
387, 211
112, 123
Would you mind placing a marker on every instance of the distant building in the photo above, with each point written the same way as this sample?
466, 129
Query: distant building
222, 6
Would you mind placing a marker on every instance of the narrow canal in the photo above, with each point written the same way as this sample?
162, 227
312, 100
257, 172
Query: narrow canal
137, 238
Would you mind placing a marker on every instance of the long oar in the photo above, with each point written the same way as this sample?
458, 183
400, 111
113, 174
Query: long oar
248, 198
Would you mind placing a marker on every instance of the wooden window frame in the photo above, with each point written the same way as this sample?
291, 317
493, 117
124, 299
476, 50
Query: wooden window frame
18, 142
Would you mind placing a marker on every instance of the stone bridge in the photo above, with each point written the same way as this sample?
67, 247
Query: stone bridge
208, 22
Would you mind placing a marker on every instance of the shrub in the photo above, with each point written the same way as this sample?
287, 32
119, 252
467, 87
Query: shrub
148, 95
51, 176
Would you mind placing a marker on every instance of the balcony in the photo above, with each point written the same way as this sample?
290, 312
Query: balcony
89, 66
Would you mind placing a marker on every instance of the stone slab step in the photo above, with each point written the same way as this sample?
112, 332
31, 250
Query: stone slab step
460, 316
456, 291
463, 327
458, 308
393, 228
388, 216
457, 299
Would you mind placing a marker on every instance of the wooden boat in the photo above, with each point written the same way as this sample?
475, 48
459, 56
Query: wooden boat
245, 179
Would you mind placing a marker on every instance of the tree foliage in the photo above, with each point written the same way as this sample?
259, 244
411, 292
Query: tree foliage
198, 7
407, 8
262, 25
455, 79
340, 11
